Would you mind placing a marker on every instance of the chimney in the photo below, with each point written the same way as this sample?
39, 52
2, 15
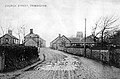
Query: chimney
31, 31
59, 35
10, 32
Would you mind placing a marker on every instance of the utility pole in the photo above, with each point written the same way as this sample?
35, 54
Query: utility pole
85, 39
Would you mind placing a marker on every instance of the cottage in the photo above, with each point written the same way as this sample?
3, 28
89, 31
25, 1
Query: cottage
8, 38
53, 43
60, 42
32, 39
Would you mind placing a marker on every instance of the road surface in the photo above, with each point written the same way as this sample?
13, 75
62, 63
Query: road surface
59, 65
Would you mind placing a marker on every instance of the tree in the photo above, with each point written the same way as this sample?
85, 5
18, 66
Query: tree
21, 32
115, 38
2, 30
105, 27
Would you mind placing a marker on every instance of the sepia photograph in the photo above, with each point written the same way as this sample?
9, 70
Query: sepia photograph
59, 39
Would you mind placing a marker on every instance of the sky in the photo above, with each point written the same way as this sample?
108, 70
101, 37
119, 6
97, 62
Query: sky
53, 17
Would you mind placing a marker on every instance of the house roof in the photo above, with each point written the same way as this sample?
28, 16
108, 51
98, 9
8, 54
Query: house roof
89, 39
65, 37
32, 35
74, 40
55, 39
29, 39
10, 36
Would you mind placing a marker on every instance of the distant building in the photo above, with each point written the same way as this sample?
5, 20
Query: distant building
76, 39
53, 43
89, 39
79, 35
42, 42
8, 38
60, 42
32, 39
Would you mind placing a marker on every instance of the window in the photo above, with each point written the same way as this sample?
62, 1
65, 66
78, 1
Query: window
6, 40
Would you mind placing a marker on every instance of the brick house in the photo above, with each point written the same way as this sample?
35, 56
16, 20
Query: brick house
8, 38
32, 39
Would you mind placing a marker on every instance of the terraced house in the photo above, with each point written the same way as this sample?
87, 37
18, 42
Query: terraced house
33, 39
8, 38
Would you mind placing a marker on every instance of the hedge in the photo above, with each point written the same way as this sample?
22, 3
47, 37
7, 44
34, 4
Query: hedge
17, 56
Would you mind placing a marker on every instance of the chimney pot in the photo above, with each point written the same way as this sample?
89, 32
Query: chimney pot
10, 32
59, 35
31, 31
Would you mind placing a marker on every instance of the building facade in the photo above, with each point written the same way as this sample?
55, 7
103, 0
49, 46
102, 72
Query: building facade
32, 39
79, 35
60, 43
8, 38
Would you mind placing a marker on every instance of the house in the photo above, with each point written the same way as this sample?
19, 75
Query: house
8, 38
60, 42
32, 39
42, 42
89, 40
53, 43
76, 40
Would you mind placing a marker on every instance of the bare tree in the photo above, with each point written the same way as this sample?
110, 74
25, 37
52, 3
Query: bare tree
21, 32
2, 30
105, 27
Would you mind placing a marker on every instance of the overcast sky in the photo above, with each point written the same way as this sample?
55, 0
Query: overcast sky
58, 16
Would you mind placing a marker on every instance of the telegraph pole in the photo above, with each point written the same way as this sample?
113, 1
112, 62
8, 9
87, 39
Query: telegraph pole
85, 39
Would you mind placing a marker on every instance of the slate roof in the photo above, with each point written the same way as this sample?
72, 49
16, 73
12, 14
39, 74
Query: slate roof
55, 39
65, 37
32, 35
29, 39
10, 36
89, 39
74, 40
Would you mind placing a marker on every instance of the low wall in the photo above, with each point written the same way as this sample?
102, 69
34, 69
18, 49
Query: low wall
100, 55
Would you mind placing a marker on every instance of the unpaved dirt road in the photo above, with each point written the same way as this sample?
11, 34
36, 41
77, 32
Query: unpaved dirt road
58, 65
